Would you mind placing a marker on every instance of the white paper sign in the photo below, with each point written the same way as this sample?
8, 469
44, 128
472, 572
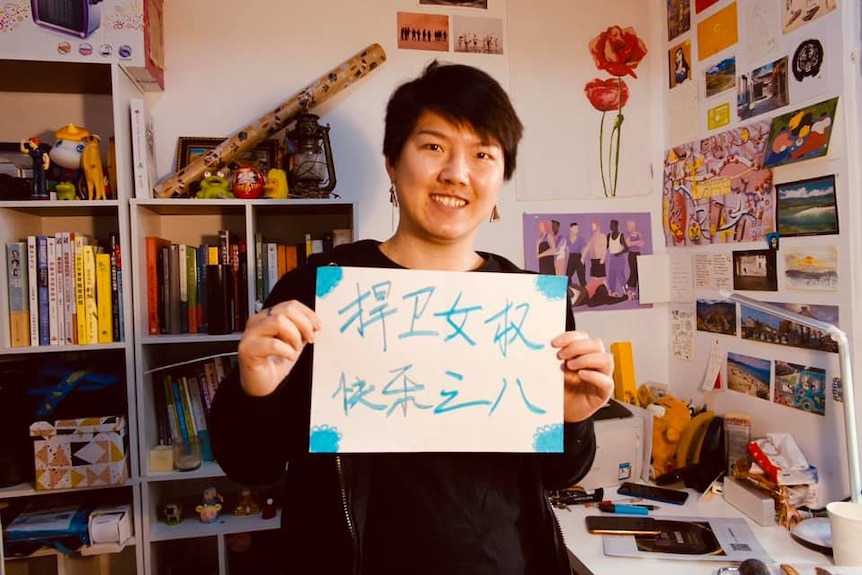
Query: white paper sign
413, 360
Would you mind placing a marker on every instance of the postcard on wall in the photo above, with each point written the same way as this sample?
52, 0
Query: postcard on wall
763, 89
811, 268
477, 35
716, 316
798, 13
679, 64
755, 270
715, 191
682, 332
800, 135
809, 63
718, 116
714, 364
800, 386
678, 18
597, 253
436, 361
760, 326
717, 32
749, 375
423, 31
761, 23
720, 77
807, 207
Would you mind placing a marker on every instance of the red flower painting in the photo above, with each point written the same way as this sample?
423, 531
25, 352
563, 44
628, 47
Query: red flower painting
617, 51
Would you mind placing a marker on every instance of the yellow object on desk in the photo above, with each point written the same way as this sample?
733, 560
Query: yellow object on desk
624, 372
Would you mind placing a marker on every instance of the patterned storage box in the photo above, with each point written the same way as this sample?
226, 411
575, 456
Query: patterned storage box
83, 452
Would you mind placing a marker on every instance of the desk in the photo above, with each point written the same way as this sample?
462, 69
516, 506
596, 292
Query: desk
776, 540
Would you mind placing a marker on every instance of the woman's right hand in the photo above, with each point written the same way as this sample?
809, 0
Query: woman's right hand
271, 344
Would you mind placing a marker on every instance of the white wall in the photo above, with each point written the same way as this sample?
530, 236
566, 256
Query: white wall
228, 63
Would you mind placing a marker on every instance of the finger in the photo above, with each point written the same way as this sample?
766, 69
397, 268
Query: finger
568, 337
278, 320
597, 361
581, 347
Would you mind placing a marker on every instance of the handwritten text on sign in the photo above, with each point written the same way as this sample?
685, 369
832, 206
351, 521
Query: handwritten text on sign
413, 360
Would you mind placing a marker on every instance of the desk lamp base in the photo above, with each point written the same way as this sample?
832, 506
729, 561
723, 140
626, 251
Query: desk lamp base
814, 533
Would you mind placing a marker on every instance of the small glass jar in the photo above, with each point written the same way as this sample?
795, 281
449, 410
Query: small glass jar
187, 454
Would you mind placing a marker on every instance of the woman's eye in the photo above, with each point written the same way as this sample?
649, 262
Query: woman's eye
432, 146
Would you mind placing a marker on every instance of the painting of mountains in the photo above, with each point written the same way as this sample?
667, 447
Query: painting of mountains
807, 207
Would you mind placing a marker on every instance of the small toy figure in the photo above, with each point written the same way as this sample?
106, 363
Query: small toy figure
214, 186
173, 513
211, 505
246, 505
91, 162
268, 511
276, 184
41, 162
670, 418
66, 153
66, 191
248, 183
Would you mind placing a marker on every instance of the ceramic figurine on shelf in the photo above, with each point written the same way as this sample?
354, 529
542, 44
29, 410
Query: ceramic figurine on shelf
246, 505
248, 183
66, 153
172, 513
214, 186
41, 162
211, 505
91, 162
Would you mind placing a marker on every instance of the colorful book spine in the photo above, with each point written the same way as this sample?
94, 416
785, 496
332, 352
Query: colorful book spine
187, 405
53, 300
91, 310
42, 292
200, 421
80, 307
259, 286
104, 307
191, 270
171, 408
19, 310
69, 326
182, 271
174, 314
33, 290
177, 394
114, 253
202, 288
153, 247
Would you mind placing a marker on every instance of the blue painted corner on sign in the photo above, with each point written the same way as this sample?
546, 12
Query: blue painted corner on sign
328, 278
324, 439
552, 287
548, 439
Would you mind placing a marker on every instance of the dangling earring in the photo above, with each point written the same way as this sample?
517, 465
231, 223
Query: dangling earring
495, 215
393, 197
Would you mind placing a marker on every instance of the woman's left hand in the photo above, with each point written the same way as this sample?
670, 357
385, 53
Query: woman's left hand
588, 374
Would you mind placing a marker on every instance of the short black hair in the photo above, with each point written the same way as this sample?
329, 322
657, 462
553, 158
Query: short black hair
462, 94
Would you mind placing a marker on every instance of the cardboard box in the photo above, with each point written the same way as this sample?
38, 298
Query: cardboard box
125, 31
619, 452
86, 452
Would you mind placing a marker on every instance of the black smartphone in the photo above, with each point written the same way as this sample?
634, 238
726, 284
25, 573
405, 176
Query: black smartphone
621, 525
663, 494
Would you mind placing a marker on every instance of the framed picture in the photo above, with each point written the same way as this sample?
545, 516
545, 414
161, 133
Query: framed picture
807, 207
263, 156
754, 270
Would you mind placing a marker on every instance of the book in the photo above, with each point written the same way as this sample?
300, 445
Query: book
198, 413
177, 394
153, 246
32, 290
91, 310
201, 310
183, 278
114, 254
104, 305
19, 309
171, 408
80, 242
173, 294
68, 264
219, 311
144, 167
55, 300
42, 293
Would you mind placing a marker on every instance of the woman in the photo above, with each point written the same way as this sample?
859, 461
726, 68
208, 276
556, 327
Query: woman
450, 142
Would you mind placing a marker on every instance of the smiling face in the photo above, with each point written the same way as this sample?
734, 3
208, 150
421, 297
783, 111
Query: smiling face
448, 179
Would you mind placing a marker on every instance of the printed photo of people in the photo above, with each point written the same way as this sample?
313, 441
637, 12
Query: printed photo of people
598, 254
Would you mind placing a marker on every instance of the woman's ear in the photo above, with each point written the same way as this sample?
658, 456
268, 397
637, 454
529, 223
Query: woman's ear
390, 170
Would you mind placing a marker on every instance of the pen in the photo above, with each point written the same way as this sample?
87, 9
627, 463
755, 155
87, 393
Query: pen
627, 509
644, 505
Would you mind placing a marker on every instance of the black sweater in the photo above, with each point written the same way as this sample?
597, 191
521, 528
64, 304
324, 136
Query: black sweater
414, 513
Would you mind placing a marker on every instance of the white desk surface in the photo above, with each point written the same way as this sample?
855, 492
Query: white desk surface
776, 540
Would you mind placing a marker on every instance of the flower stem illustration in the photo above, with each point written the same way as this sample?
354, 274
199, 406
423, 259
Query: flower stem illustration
617, 51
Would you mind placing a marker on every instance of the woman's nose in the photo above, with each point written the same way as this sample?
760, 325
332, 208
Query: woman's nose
456, 168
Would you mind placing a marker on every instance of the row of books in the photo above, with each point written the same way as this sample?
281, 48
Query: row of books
274, 259
183, 397
196, 289
65, 289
